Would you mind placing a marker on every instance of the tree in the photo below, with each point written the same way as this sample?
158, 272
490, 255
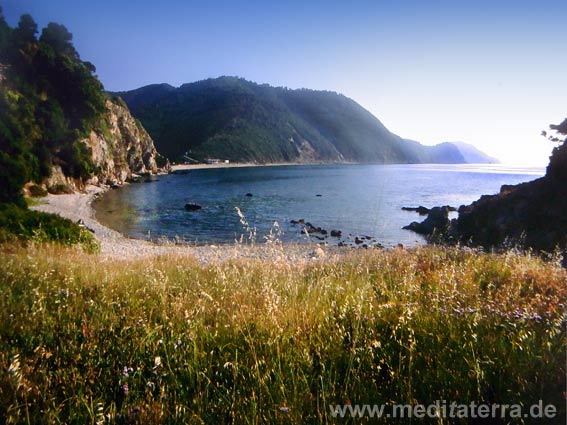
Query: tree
557, 168
60, 39
26, 31
4, 35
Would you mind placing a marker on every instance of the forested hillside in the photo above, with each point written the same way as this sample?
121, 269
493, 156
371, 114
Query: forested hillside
231, 118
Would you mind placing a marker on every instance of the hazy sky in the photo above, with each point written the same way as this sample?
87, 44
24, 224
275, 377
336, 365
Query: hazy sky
491, 73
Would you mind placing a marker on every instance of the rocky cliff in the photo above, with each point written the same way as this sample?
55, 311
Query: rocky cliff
532, 214
120, 149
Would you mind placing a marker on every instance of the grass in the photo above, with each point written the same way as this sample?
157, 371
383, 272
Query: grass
170, 341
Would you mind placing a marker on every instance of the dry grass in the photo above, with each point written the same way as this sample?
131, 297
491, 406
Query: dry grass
170, 341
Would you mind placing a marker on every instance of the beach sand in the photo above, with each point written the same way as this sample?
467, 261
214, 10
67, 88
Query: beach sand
115, 246
179, 167
184, 167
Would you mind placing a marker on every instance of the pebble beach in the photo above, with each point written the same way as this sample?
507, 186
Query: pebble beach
115, 246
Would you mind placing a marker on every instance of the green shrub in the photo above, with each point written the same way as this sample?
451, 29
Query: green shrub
161, 161
36, 191
60, 189
21, 224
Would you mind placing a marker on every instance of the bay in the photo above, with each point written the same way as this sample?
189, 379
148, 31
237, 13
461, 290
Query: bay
356, 199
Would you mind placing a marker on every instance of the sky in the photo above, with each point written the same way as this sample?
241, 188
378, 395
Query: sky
490, 73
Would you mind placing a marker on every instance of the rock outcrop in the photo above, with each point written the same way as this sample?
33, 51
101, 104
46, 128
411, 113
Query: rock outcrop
530, 215
437, 220
120, 149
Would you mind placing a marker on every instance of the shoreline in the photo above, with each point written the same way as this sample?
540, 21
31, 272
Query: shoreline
524, 169
116, 246
187, 167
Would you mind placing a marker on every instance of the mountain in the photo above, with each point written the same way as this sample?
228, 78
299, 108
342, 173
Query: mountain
472, 155
58, 127
231, 118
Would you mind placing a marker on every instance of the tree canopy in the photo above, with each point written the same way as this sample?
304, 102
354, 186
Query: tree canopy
59, 38
557, 167
26, 30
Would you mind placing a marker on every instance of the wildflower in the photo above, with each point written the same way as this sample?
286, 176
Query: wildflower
125, 389
127, 371
284, 409
157, 362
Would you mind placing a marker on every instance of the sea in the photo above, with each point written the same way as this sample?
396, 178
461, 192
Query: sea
262, 203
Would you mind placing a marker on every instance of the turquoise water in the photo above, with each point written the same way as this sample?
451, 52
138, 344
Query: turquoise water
356, 199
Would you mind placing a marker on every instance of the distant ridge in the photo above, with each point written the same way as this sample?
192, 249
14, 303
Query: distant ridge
235, 119
472, 155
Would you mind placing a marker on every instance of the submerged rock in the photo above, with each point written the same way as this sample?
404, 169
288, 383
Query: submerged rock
191, 206
310, 228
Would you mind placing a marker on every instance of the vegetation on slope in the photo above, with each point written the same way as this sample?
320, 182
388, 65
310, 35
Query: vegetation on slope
23, 226
58, 128
171, 341
231, 118
49, 99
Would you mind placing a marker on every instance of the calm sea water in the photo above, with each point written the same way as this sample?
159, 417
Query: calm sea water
356, 199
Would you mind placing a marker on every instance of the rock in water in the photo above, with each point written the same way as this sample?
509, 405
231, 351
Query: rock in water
437, 221
192, 206
421, 210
